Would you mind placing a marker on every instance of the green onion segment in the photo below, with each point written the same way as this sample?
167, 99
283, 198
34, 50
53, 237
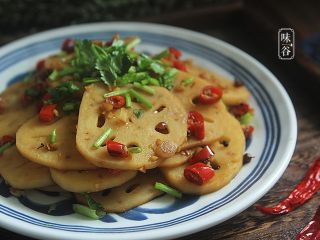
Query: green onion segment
53, 136
102, 138
169, 190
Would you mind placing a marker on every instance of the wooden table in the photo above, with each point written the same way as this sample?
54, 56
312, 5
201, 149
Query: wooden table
303, 89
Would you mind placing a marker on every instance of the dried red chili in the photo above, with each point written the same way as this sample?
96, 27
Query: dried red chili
175, 52
210, 95
196, 125
116, 101
240, 109
116, 149
248, 131
312, 230
204, 154
68, 45
6, 138
308, 187
179, 65
199, 173
46, 113
40, 65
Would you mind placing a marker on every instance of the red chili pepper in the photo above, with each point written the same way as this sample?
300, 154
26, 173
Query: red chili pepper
248, 131
7, 138
308, 187
40, 65
196, 125
204, 154
239, 110
312, 230
210, 95
116, 149
198, 173
175, 52
68, 45
116, 101
46, 113
179, 65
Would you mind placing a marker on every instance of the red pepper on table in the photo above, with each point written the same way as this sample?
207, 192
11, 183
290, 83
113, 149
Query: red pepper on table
312, 230
116, 101
46, 113
175, 52
179, 65
204, 154
308, 187
116, 149
196, 125
210, 95
68, 45
198, 173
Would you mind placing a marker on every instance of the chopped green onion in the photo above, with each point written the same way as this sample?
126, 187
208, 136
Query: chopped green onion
157, 68
128, 100
140, 98
135, 149
88, 212
67, 71
102, 138
116, 93
138, 112
187, 81
133, 43
90, 80
52, 208
6, 146
144, 88
246, 118
171, 191
53, 136
161, 54
153, 81
92, 203
54, 75
67, 107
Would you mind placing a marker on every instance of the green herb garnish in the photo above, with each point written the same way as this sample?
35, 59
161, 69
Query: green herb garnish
128, 100
171, 191
53, 136
102, 138
246, 118
6, 146
141, 99
138, 112
187, 81
134, 149
88, 212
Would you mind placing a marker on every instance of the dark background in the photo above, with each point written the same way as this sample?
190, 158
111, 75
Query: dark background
250, 25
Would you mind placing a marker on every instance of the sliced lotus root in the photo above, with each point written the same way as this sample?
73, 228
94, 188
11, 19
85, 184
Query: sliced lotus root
134, 193
90, 180
213, 114
227, 161
21, 173
232, 95
11, 97
178, 159
52, 188
33, 143
130, 130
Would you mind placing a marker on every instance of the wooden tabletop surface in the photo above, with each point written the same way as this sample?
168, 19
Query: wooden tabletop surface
303, 88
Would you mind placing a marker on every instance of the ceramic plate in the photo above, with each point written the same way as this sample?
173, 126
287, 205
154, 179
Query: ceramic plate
272, 143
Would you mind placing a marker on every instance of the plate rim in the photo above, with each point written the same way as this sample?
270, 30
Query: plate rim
289, 106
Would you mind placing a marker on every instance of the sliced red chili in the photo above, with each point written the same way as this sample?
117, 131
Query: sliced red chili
40, 65
198, 173
312, 230
46, 113
6, 138
196, 125
179, 65
117, 101
210, 95
248, 131
308, 187
68, 45
239, 110
116, 149
204, 154
175, 52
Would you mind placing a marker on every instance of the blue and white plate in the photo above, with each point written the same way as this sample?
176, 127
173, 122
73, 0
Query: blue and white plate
272, 144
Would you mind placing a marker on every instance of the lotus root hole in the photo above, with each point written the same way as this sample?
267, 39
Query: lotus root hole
101, 120
132, 187
160, 109
162, 127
